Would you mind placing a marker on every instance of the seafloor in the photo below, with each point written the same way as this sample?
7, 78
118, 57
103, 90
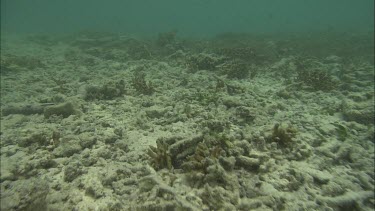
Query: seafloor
102, 121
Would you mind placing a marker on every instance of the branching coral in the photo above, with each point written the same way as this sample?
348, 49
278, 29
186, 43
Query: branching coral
159, 156
202, 158
192, 154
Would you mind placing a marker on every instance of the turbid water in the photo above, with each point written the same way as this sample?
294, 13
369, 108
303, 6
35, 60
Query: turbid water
187, 105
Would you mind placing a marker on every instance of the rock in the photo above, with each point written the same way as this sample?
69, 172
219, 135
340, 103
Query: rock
94, 188
64, 110
25, 195
23, 109
87, 140
156, 112
67, 148
72, 171
248, 163
35, 137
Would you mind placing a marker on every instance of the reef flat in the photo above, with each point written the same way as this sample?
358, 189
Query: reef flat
102, 121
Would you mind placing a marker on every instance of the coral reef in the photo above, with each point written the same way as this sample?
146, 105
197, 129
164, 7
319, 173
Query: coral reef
107, 91
91, 133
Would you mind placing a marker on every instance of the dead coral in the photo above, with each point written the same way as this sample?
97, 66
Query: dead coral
141, 85
161, 196
218, 198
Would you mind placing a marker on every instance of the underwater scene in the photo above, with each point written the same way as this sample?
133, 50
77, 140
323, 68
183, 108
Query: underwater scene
187, 105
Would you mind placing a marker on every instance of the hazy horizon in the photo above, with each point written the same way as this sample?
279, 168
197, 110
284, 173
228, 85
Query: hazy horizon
194, 17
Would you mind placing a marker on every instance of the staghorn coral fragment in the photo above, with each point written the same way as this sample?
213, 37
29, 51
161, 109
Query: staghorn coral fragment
141, 85
202, 158
283, 134
159, 156
180, 149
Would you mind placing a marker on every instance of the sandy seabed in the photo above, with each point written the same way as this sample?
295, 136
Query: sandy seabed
98, 121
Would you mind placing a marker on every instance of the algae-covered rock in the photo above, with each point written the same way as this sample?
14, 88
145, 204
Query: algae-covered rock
364, 116
248, 163
108, 91
87, 140
23, 109
361, 112
283, 134
72, 171
68, 147
33, 137
94, 187
64, 110
27, 194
